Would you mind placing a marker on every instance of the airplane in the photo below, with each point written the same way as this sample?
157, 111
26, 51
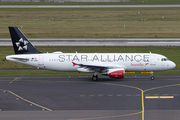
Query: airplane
113, 65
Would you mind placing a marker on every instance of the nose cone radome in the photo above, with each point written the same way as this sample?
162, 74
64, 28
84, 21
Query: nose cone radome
173, 65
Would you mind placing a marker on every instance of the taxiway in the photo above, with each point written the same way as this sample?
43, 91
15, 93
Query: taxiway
85, 6
100, 42
78, 98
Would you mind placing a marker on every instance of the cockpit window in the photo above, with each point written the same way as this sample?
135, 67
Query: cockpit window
164, 59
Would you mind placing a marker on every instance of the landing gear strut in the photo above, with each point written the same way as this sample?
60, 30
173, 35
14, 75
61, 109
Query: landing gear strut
152, 76
95, 76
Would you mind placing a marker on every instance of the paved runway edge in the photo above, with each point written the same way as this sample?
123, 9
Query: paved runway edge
99, 42
85, 6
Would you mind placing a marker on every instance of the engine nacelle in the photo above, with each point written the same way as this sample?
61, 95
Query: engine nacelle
116, 73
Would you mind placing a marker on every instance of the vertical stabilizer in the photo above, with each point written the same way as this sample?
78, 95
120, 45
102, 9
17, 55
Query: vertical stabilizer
20, 43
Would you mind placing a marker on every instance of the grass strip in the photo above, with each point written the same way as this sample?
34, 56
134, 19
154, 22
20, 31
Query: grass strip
56, 73
92, 22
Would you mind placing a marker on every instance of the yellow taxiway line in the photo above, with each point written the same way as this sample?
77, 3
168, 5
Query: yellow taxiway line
157, 97
13, 80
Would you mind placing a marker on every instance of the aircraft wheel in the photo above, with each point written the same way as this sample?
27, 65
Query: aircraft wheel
94, 78
152, 78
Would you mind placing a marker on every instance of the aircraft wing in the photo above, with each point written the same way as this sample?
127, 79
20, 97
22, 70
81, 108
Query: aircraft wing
97, 67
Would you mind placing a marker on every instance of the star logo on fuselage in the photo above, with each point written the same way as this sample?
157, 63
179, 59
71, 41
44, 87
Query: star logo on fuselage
22, 44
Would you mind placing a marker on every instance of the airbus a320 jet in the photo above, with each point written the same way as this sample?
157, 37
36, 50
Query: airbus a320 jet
113, 65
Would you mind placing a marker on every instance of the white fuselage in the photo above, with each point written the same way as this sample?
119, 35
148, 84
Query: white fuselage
63, 61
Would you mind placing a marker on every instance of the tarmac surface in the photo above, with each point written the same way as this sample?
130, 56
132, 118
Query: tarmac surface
79, 98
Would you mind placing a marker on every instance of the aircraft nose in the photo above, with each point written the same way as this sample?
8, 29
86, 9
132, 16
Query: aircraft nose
173, 65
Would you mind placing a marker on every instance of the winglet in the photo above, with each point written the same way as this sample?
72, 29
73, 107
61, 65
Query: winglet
74, 64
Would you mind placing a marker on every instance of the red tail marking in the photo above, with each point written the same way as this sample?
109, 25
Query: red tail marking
74, 64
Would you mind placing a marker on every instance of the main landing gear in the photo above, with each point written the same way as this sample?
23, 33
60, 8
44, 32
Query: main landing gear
152, 76
95, 76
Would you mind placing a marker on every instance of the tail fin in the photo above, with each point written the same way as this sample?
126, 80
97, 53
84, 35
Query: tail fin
20, 43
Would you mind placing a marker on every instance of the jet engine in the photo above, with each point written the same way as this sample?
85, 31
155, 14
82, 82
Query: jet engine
115, 73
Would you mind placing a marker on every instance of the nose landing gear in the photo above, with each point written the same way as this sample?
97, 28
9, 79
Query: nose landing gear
152, 76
